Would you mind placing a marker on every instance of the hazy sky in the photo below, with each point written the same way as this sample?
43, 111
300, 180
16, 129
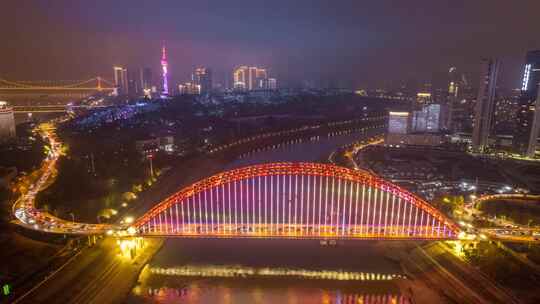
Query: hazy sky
357, 42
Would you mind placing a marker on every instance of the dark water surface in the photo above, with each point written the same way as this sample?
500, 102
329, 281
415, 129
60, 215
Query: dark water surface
301, 271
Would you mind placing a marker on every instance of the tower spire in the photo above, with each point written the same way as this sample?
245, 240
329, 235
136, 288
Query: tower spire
163, 52
164, 69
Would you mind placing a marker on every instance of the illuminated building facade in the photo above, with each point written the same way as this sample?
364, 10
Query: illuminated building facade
189, 88
535, 130
485, 104
250, 78
7, 122
240, 78
120, 80
203, 78
427, 119
423, 98
453, 93
526, 115
145, 76
165, 72
145, 79
398, 122
272, 84
134, 85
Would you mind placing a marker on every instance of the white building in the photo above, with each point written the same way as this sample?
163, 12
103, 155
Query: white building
398, 122
7, 122
427, 119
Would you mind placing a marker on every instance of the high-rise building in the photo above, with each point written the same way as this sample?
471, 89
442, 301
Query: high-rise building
250, 78
452, 100
485, 104
145, 76
189, 88
240, 78
261, 79
398, 122
453, 82
203, 77
145, 81
165, 73
427, 119
272, 84
423, 98
7, 121
134, 84
535, 129
526, 114
120, 80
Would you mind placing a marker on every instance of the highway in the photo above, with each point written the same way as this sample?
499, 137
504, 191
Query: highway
99, 274
505, 230
24, 209
453, 277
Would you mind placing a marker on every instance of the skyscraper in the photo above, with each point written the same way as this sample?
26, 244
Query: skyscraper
250, 78
485, 104
452, 99
7, 122
134, 85
120, 80
145, 76
272, 83
203, 77
398, 122
535, 129
261, 79
427, 119
189, 88
165, 72
240, 78
526, 114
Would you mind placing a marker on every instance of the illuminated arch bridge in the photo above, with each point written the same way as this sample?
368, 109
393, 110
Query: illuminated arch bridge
296, 200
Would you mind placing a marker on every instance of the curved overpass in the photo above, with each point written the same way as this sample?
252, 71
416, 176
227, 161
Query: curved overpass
520, 196
296, 200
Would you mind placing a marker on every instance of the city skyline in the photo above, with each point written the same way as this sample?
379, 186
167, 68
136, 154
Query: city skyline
327, 54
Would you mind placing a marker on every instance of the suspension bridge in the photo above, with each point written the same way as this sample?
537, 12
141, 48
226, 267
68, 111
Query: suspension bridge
48, 96
94, 84
295, 200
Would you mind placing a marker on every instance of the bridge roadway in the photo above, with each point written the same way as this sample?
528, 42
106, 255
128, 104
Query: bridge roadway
507, 230
290, 231
51, 108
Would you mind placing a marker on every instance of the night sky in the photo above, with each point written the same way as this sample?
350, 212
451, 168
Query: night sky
334, 42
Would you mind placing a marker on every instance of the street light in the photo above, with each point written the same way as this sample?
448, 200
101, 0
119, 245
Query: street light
128, 219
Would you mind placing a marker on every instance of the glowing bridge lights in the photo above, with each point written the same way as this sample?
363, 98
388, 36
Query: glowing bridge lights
296, 200
230, 271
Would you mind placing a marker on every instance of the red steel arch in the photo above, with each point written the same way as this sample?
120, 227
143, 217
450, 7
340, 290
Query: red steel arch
164, 219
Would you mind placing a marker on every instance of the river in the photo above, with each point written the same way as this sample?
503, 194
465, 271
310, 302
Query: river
273, 271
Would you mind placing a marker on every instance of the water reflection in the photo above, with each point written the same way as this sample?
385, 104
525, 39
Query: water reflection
205, 294
235, 271
313, 149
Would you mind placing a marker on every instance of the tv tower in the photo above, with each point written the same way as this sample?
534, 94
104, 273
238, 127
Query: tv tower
164, 65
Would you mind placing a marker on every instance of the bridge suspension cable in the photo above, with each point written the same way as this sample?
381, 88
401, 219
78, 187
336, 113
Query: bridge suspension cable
39, 84
302, 200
